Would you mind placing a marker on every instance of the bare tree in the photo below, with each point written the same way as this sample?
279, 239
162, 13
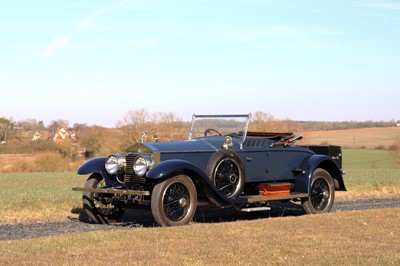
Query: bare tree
265, 122
261, 121
57, 124
6, 126
160, 125
28, 124
134, 123
172, 126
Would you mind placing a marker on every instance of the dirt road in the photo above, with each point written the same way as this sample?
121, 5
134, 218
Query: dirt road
143, 218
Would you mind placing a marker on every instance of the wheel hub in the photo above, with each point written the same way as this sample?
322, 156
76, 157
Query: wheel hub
182, 202
233, 179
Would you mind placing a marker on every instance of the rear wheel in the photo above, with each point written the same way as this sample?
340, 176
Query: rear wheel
174, 201
97, 208
322, 194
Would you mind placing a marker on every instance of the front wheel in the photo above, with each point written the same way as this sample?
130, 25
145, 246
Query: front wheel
97, 208
322, 194
174, 201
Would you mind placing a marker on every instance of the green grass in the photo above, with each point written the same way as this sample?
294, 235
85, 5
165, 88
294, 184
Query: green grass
349, 238
28, 197
368, 159
374, 182
370, 173
38, 195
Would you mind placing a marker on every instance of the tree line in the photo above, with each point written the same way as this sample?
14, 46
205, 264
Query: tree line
17, 137
340, 125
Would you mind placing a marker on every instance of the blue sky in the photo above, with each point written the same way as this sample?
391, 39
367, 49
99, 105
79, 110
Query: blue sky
93, 61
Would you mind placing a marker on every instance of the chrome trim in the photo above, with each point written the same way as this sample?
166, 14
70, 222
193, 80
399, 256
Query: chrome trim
228, 143
245, 130
121, 163
113, 191
194, 116
144, 134
149, 162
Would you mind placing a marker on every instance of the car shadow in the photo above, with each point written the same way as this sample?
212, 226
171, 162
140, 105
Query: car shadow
142, 216
216, 215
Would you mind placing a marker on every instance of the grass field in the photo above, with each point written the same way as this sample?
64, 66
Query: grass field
37, 196
28, 197
349, 238
368, 159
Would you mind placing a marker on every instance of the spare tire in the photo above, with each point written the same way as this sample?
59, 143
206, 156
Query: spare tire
225, 171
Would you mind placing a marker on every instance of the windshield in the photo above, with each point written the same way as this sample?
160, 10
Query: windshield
213, 125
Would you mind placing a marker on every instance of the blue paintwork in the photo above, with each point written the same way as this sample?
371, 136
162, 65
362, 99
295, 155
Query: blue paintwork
169, 167
173, 167
303, 180
262, 163
96, 165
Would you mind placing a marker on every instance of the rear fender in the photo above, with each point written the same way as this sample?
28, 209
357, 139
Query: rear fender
303, 179
169, 168
95, 165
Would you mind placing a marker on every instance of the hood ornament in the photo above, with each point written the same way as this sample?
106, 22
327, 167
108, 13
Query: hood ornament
144, 134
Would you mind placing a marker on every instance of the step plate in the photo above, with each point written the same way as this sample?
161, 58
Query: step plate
256, 198
256, 209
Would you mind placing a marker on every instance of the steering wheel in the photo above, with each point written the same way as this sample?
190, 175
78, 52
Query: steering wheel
210, 130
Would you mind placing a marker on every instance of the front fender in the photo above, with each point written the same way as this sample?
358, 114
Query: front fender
95, 165
169, 168
303, 180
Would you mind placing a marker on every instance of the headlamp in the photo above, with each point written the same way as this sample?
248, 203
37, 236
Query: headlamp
115, 164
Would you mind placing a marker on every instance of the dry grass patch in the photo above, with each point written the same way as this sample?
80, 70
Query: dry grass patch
41, 162
369, 138
352, 238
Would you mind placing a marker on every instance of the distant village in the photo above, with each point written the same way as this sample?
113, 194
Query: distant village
60, 134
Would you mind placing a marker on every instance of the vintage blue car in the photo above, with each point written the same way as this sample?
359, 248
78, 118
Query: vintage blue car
221, 164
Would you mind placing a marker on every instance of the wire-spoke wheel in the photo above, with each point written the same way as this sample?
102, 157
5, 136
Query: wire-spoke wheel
174, 201
95, 206
322, 193
225, 171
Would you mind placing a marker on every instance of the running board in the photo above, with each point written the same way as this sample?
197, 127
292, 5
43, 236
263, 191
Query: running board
256, 209
257, 198
113, 191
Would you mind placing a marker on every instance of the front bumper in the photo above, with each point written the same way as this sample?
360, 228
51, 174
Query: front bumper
113, 191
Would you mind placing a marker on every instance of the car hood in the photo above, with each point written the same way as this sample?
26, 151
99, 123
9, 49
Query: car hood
196, 145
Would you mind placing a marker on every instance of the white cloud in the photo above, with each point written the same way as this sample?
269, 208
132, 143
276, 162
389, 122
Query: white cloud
84, 25
87, 22
58, 42
279, 34
392, 6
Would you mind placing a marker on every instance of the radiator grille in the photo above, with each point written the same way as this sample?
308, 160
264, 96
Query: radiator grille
130, 176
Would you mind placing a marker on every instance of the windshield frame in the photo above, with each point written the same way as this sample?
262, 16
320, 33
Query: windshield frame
245, 117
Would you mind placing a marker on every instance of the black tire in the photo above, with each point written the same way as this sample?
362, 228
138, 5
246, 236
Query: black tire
225, 171
322, 194
97, 211
174, 201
